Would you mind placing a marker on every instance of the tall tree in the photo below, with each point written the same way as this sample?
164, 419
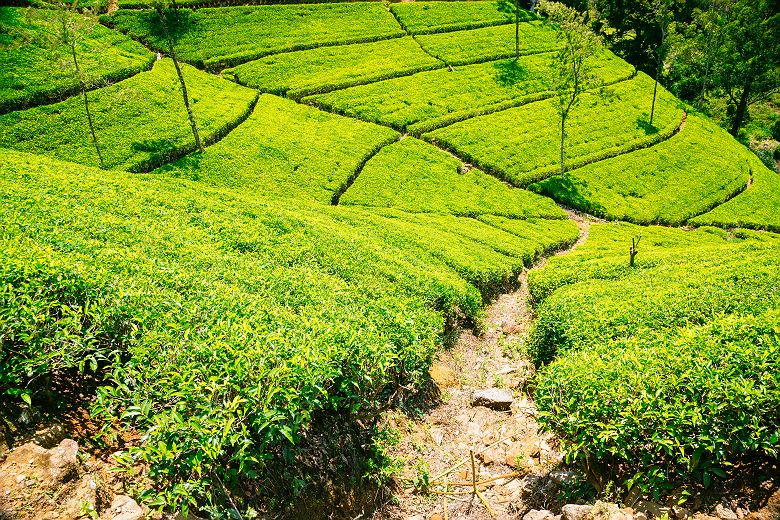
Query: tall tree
747, 64
167, 23
572, 65
72, 29
512, 7
663, 15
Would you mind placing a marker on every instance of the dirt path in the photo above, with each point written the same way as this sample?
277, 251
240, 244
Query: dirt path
506, 444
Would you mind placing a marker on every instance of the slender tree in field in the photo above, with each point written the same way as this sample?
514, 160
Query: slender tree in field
572, 65
71, 30
662, 14
166, 22
512, 7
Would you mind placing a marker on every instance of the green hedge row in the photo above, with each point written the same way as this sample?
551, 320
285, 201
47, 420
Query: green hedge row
672, 408
522, 144
414, 176
239, 34
300, 73
433, 16
35, 70
140, 123
665, 184
306, 154
488, 43
758, 207
429, 100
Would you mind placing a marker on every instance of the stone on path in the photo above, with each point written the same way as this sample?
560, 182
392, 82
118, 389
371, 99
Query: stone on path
493, 398
575, 512
536, 514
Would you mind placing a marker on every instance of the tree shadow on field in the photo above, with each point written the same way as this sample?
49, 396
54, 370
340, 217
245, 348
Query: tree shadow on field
188, 167
509, 73
643, 123
565, 191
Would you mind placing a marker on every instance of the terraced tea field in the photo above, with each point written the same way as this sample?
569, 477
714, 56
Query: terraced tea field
373, 177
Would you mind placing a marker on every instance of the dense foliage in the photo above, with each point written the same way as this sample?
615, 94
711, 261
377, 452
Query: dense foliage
441, 16
306, 154
428, 100
140, 121
680, 344
489, 43
296, 74
605, 125
414, 176
239, 34
657, 185
35, 69
758, 207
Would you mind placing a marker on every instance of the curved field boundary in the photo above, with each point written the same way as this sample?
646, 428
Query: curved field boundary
352, 178
55, 96
542, 173
174, 155
417, 129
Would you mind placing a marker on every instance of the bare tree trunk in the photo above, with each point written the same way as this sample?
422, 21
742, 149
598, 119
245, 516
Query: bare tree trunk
563, 147
739, 117
187, 105
86, 106
517, 30
710, 51
655, 92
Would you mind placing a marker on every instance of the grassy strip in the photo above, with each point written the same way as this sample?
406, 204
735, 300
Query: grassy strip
141, 122
305, 154
32, 72
199, 4
249, 315
521, 144
301, 73
433, 17
758, 207
488, 43
665, 184
423, 102
239, 34
414, 176
697, 316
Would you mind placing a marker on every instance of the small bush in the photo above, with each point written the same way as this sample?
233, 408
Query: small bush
53, 319
681, 405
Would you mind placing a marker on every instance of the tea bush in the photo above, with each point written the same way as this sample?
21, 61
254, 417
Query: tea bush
296, 74
414, 176
488, 43
432, 17
305, 154
54, 317
33, 71
592, 296
141, 122
673, 407
252, 315
432, 99
657, 184
758, 207
522, 144
239, 34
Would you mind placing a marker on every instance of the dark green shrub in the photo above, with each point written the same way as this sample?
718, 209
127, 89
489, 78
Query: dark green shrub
53, 319
776, 130
674, 406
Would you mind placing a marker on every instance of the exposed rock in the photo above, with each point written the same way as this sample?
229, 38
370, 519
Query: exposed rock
489, 456
123, 508
653, 509
724, 512
575, 512
87, 491
536, 514
49, 468
443, 375
493, 398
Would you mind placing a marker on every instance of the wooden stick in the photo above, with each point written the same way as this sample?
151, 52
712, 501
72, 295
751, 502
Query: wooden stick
473, 472
487, 506
446, 503
465, 460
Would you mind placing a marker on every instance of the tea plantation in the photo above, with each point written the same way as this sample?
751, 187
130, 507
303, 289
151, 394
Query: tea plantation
373, 176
